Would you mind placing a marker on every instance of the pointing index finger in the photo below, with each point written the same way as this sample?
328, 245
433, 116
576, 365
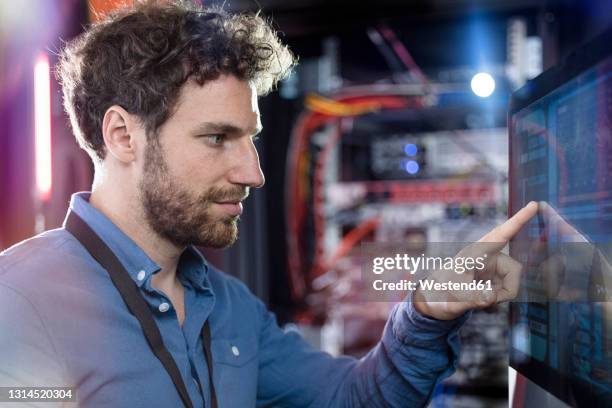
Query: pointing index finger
504, 233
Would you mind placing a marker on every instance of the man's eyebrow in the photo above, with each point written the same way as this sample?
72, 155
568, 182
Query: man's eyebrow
224, 127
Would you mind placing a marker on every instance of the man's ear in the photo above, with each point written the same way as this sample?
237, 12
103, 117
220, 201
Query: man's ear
118, 131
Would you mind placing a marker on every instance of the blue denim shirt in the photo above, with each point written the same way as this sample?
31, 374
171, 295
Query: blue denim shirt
63, 323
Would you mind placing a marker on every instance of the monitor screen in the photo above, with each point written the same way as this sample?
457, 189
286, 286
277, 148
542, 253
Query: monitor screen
561, 157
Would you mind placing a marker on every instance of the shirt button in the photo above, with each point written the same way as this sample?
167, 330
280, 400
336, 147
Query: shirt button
164, 307
141, 275
235, 351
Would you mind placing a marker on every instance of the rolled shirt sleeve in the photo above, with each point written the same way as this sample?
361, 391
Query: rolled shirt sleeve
414, 354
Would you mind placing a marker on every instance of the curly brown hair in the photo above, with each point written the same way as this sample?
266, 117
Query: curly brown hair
139, 58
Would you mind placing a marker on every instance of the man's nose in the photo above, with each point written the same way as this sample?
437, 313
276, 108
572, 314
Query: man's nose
247, 170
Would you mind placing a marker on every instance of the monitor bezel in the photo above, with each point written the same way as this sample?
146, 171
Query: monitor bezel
581, 60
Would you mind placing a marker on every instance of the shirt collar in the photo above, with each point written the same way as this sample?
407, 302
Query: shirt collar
192, 266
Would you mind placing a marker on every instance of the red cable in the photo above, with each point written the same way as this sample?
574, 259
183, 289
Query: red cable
307, 123
402, 53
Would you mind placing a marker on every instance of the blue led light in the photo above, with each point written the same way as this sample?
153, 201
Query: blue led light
412, 167
411, 149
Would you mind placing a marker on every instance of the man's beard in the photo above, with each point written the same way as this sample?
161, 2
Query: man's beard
177, 214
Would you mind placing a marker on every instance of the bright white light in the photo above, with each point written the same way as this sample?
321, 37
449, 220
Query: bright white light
412, 167
42, 123
483, 84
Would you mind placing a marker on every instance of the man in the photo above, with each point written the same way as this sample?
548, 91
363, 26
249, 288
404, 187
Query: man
164, 99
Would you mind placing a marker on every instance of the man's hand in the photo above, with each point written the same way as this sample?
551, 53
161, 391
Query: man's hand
503, 271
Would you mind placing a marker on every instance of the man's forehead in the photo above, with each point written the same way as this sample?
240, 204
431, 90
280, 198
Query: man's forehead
226, 100
225, 84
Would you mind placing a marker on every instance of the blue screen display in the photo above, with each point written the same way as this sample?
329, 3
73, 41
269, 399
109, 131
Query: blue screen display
561, 155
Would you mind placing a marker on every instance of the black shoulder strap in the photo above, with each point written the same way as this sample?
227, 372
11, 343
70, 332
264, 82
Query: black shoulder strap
137, 305
208, 353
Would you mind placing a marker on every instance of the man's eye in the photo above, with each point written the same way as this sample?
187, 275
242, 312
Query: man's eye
216, 139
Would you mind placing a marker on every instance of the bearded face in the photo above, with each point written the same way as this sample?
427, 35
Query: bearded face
182, 216
201, 163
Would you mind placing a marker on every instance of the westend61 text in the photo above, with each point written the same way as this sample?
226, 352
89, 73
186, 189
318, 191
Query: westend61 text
430, 284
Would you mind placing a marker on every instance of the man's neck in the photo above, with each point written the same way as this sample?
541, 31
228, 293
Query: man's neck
132, 222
